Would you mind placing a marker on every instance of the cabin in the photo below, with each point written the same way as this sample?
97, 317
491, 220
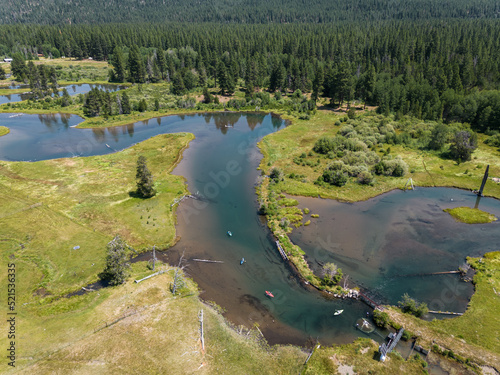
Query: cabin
7, 59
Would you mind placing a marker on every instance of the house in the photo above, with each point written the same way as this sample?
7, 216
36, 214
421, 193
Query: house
7, 59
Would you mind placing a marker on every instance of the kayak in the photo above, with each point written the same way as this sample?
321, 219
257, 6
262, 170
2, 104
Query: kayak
269, 294
242, 260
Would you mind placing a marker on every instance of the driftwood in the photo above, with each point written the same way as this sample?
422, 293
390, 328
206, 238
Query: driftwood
147, 277
208, 261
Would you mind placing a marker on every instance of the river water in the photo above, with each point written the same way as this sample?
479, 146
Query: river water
378, 243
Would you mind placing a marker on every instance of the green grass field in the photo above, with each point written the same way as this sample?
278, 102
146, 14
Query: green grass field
49, 207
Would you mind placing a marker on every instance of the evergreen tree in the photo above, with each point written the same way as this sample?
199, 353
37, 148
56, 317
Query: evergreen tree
53, 81
126, 109
118, 65
162, 62
136, 67
190, 79
178, 87
207, 97
226, 82
368, 85
343, 82
117, 266
95, 103
142, 105
66, 98
34, 80
202, 74
317, 83
145, 183
2, 73
277, 78
18, 67
44, 79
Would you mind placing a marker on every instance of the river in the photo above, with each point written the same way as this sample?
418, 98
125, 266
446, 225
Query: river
221, 165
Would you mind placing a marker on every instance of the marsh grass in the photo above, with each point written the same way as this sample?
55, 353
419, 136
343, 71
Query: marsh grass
471, 215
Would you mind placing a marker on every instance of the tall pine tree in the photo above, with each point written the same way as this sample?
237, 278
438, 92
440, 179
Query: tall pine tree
145, 183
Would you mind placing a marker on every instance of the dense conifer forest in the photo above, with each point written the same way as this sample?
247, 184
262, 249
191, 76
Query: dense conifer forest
239, 11
435, 70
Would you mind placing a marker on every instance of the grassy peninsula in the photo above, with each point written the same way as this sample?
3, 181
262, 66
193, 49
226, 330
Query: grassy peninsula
4, 130
471, 215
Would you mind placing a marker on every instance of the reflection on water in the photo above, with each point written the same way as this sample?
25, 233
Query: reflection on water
55, 121
72, 90
50, 136
391, 243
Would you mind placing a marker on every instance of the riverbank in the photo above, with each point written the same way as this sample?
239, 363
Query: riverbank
282, 150
471, 335
291, 152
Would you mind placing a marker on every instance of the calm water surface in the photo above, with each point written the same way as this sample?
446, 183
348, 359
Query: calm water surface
379, 243
389, 243
72, 90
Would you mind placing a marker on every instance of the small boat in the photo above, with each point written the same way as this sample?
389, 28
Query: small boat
242, 260
229, 233
338, 312
269, 294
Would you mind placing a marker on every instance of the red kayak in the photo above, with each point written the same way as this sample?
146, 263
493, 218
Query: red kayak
269, 294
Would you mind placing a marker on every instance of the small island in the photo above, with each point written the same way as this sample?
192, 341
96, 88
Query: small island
4, 130
471, 215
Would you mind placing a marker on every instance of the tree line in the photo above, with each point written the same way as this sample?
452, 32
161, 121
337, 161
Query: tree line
432, 70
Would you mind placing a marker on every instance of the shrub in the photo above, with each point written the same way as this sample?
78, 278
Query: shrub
409, 305
324, 145
391, 167
360, 157
336, 178
351, 113
276, 175
494, 140
463, 145
381, 318
365, 178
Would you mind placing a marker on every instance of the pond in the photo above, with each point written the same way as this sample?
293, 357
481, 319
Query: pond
220, 166
392, 243
72, 90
